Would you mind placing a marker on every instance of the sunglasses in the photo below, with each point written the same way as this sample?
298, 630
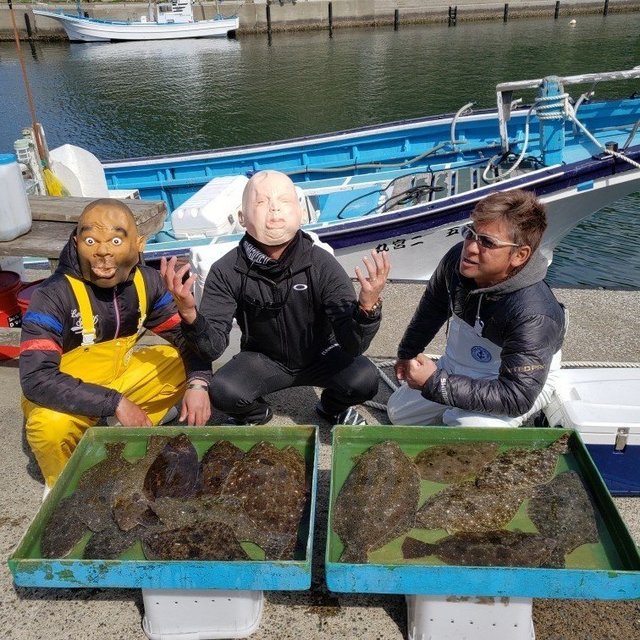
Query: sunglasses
486, 242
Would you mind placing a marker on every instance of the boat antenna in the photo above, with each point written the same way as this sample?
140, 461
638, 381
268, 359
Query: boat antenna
52, 183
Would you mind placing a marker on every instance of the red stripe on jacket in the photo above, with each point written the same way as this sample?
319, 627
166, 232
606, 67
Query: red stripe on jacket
40, 345
167, 324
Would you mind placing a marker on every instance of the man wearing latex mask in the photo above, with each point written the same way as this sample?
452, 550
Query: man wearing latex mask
79, 361
301, 320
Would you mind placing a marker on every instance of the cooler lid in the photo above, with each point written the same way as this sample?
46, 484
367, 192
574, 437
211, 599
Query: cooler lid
7, 158
8, 279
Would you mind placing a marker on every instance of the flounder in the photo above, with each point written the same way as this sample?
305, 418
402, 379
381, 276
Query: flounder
270, 484
377, 502
467, 507
562, 510
215, 466
520, 468
110, 542
487, 549
211, 541
129, 504
454, 462
64, 529
174, 472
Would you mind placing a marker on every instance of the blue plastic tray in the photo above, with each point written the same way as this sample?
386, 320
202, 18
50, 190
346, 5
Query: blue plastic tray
615, 559
31, 570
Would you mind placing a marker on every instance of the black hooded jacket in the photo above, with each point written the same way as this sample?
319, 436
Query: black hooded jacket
50, 328
520, 315
289, 312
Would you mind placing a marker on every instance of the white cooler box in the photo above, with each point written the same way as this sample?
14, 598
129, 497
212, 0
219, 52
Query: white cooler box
603, 405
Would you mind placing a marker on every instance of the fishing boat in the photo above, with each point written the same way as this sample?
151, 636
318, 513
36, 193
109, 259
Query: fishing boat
169, 21
407, 187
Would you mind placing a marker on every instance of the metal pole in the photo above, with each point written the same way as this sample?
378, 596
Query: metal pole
606, 7
505, 15
27, 24
557, 11
396, 19
269, 20
331, 19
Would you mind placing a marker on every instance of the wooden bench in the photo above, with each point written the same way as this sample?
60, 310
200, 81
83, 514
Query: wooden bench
55, 218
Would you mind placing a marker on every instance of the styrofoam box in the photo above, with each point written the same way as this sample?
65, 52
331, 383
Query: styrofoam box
212, 210
206, 614
604, 406
437, 618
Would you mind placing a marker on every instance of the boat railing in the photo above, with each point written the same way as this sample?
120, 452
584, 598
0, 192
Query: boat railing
551, 96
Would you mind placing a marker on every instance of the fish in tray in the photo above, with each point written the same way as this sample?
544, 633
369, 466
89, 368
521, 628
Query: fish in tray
271, 486
521, 468
377, 502
109, 543
215, 466
129, 504
454, 462
210, 541
174, 473
486, 549
467, 507
64, 529
88, 507
562, 510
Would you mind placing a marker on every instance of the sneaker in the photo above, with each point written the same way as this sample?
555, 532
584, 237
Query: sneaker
268, 414
348, 416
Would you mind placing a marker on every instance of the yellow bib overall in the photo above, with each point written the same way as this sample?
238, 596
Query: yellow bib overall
152, 377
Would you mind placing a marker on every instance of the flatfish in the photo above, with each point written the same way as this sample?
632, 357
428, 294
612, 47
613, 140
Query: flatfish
487, 549
270, 484
95, 488
377, 502
211, 541
215, 466
175, 513
454, 462
562, 509
174, 472
467, 507
523, 468
129, 504
64, 529
109, 543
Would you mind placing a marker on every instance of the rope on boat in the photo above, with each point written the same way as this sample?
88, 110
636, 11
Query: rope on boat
582, 364
553, 108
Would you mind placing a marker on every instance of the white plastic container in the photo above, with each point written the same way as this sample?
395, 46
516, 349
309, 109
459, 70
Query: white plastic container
15, 213
211, 211
200, 614
603, 405
441, 618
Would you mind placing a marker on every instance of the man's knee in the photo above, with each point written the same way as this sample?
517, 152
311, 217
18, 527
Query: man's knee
227, 395
364, 381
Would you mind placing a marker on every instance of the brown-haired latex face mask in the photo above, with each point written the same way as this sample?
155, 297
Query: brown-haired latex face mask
108, 245
270, 209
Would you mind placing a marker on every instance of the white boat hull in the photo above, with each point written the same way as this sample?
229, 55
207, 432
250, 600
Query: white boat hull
81, 29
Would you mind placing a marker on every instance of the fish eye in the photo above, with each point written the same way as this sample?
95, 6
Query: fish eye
90, 241
117, 241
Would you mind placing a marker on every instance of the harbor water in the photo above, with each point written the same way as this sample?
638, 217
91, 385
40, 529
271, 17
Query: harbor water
145, 98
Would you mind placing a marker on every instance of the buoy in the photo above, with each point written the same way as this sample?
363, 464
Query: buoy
572, 23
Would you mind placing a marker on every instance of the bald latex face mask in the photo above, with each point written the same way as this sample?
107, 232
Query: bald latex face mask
270, 209
108, 243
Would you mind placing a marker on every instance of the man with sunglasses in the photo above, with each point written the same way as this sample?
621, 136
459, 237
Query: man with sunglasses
505, 327
301, 321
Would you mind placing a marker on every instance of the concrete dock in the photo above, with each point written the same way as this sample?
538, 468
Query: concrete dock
604, 327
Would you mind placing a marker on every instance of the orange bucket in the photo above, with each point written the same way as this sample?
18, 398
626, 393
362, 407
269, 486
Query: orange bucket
10, 284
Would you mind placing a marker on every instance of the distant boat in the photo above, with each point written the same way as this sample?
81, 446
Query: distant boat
169, 21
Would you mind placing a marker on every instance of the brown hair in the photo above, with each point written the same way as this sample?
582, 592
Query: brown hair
521, 210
